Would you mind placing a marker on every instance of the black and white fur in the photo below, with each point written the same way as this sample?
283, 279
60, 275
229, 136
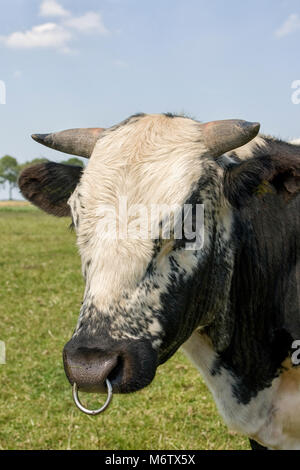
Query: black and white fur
234, 304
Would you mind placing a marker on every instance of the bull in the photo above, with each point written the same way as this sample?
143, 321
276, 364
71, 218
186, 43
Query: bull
231, 303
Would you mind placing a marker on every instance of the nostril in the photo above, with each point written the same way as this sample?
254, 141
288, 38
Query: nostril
117, 372
89, 368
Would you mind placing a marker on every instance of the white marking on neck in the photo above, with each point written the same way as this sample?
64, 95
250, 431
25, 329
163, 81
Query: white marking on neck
271, 418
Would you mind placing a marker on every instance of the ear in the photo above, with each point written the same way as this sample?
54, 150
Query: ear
263, 174
49, 186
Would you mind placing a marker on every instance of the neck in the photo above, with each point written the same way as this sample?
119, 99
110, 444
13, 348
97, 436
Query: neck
260, 313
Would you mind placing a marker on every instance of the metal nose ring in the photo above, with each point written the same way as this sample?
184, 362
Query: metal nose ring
93, 412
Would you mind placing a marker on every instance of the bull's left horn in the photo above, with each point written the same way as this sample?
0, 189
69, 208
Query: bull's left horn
79, 142
222, 136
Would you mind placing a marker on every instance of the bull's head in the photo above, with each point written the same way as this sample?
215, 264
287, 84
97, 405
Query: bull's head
144, 296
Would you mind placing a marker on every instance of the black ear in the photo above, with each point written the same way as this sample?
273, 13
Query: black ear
49, 186
264, 174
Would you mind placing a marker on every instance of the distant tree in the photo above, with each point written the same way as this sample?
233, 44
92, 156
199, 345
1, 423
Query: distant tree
74, 161
9, 172
10, 169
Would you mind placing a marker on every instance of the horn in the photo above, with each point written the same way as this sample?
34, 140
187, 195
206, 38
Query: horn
79, 142
222, 136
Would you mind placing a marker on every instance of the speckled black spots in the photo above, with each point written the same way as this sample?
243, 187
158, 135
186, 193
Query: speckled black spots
174, 264
120, 322
150, 269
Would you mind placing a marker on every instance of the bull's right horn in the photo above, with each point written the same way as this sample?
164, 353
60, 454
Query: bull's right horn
79, 142
222, 136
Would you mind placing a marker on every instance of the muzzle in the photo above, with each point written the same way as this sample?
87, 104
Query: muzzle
96, 365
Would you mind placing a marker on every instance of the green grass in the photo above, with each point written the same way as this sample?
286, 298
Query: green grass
41, 292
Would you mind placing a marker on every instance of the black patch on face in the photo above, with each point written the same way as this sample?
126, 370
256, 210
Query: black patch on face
190, 302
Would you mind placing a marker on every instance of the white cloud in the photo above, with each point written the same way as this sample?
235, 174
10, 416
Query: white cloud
90, 22
291, 25
48, 35
56, 35
295, 142
52, 8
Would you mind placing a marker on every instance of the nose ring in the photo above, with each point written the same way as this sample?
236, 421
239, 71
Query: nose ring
93, 412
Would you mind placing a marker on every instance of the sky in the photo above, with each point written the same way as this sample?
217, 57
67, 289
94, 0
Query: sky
92, 63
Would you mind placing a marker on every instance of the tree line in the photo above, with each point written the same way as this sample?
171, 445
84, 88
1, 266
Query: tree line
10, 170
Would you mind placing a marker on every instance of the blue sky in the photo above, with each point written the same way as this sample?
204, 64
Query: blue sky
86, 63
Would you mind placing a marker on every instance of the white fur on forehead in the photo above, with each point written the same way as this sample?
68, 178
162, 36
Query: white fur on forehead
153, 159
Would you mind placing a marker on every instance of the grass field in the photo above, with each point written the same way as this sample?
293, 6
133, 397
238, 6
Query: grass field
41, 291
